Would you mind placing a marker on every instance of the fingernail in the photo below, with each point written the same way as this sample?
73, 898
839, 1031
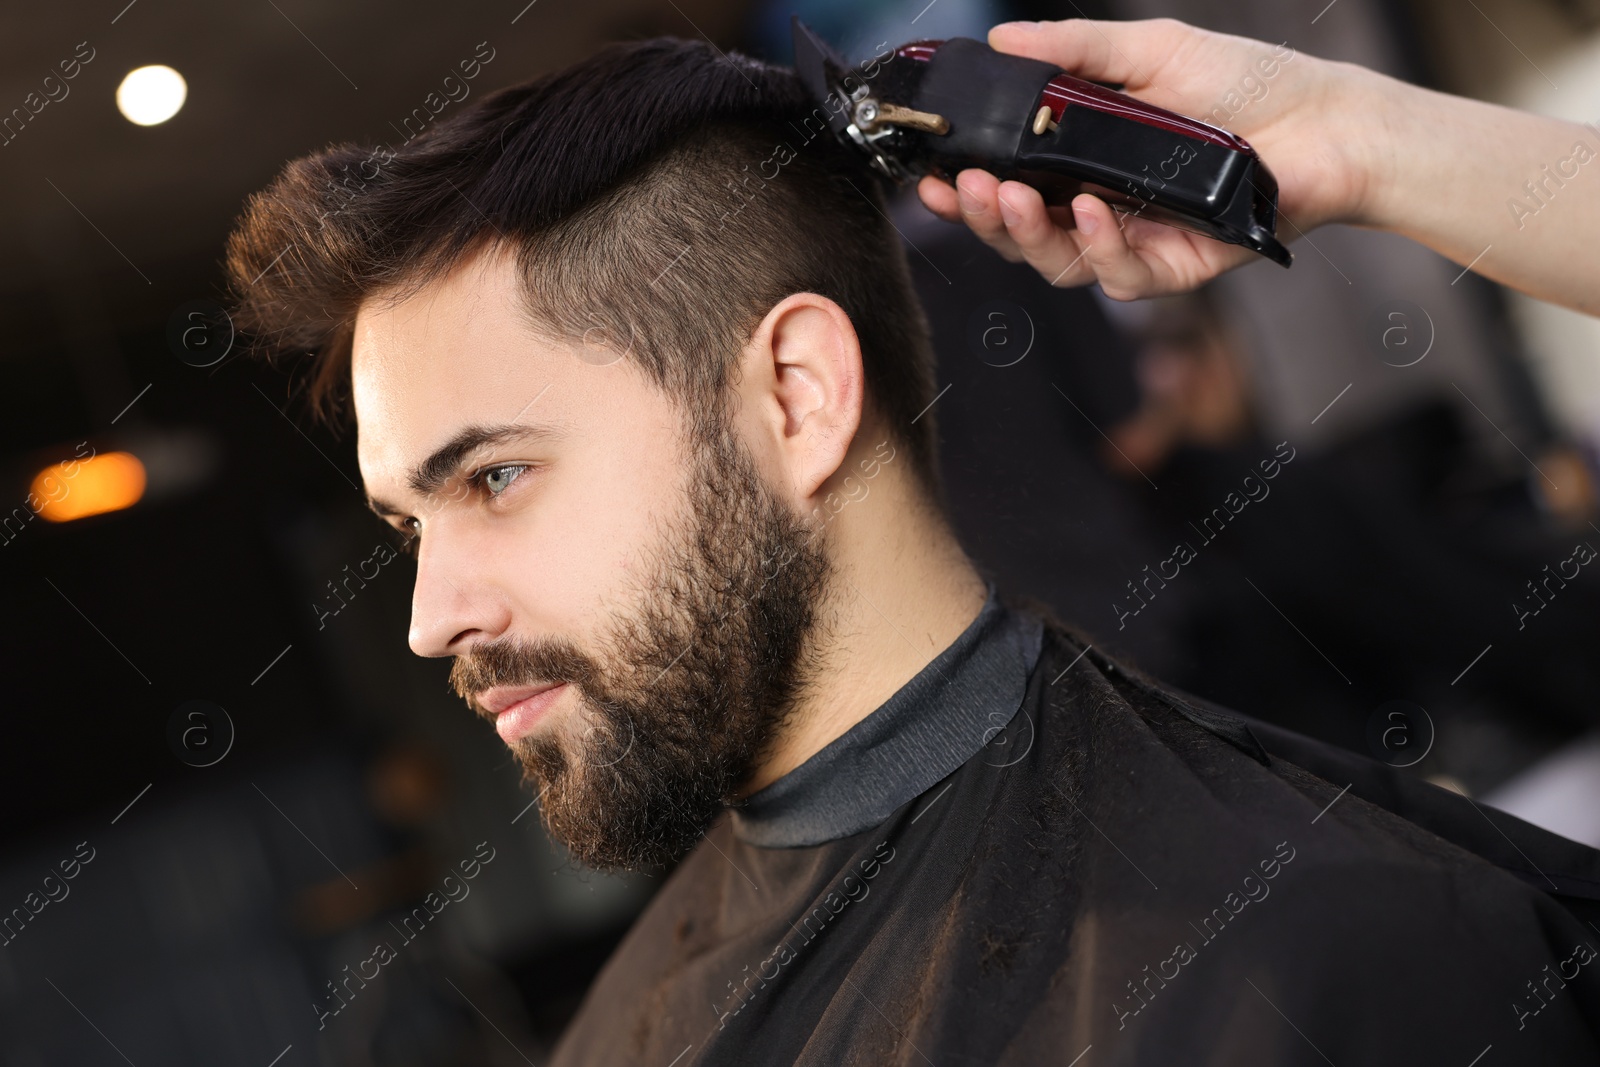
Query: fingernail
1087, 223
1025, 27
1007, 212
971, 204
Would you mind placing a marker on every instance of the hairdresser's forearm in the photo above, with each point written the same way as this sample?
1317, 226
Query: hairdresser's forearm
1515, 195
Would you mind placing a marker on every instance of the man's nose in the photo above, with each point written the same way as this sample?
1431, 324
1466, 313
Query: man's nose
454, 602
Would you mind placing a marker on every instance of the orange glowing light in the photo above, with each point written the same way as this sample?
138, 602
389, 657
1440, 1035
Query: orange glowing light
82, 487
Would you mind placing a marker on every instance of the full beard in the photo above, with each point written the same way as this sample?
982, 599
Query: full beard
695, 685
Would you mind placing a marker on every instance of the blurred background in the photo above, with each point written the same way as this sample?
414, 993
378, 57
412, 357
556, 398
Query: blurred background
212, 720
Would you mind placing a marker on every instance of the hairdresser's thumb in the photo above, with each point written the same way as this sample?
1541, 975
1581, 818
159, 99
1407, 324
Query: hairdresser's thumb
1075, 45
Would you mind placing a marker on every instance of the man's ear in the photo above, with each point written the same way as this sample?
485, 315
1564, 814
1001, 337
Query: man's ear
803, 386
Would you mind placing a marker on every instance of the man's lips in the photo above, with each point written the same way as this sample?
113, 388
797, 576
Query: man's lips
518, 709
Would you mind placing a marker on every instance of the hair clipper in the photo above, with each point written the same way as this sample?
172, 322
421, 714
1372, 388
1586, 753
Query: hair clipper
938, 107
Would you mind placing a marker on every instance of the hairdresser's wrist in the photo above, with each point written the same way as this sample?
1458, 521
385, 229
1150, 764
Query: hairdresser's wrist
1394, 136
1364, 117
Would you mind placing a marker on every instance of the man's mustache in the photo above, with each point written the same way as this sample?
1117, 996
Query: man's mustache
511, 662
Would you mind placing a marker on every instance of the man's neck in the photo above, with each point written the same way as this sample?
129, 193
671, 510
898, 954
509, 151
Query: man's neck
903, 590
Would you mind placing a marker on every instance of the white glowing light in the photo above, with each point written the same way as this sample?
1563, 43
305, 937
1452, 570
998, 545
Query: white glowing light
151, 95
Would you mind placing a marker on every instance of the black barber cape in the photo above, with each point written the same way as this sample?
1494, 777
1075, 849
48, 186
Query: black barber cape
1032, 855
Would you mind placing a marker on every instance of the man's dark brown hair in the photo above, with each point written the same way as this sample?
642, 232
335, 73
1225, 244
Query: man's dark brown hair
660, 197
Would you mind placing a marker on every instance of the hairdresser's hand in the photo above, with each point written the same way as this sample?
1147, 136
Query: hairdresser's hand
1297, 111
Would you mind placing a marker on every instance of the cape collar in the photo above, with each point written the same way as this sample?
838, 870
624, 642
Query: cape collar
929, 727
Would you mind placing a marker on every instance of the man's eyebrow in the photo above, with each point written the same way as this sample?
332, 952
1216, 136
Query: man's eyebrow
431, 475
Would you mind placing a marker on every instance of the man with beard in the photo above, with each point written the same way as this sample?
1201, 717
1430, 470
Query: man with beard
637, 370
706, 666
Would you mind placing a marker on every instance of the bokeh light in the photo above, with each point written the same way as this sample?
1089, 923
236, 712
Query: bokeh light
79, 488
151, 95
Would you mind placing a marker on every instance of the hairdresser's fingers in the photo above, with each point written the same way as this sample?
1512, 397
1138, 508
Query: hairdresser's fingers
1133, 257
1051, 249
1107, 256
939, 197
977, 197
1127, 53
1128, 257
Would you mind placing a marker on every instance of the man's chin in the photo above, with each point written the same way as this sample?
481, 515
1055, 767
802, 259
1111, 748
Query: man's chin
594, 804
602, 838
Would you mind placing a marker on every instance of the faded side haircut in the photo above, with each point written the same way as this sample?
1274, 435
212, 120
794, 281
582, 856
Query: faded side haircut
660, 199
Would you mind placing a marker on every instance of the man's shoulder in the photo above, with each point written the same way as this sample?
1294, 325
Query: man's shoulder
1114, 724
1304, 880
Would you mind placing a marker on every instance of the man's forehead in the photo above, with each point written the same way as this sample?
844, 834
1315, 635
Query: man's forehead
401, 332
460, 357
457, 353
415, 446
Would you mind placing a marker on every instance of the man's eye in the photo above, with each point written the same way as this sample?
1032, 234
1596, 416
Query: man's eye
409, 535
498, 479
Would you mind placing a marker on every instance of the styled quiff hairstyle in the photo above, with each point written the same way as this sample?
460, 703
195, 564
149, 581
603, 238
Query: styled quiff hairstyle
660, 199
